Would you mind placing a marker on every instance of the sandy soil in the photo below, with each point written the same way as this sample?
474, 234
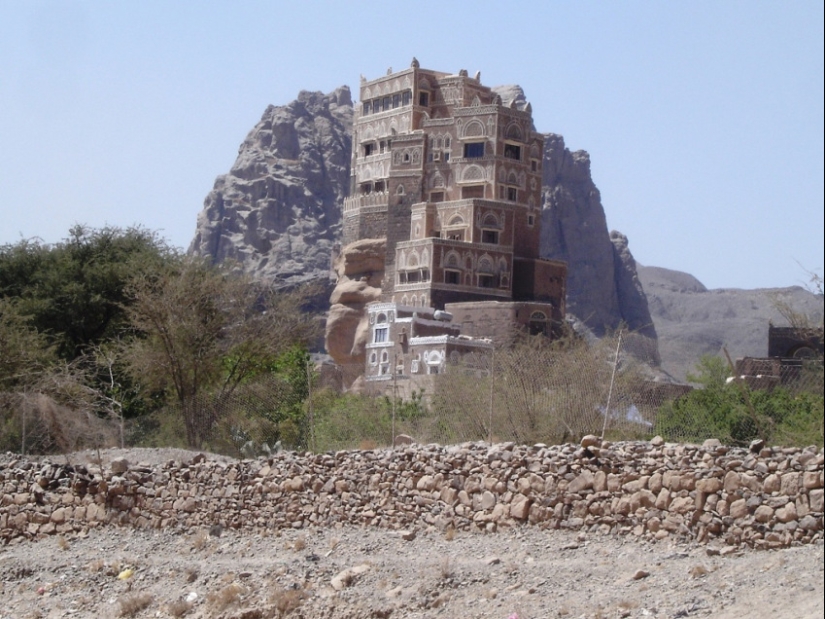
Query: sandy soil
361, 573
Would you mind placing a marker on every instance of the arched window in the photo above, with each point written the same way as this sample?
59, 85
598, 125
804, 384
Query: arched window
381, 331
489, 229
474, 128
486, 273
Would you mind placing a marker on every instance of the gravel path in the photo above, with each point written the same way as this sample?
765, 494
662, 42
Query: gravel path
525, 571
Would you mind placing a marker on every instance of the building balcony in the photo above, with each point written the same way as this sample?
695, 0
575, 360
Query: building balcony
353, 204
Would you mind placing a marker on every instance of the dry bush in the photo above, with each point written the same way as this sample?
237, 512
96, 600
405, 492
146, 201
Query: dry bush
446, 568
132, 603
287, 600
697, 571
300, 543
62, 543
536, 390
228, 595
200, 540
58, 416
449, 534
628, 604
179, 608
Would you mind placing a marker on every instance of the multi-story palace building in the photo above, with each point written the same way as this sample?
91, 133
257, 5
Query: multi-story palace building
451, 177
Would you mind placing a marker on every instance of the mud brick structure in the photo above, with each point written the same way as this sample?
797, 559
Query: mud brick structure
450, 176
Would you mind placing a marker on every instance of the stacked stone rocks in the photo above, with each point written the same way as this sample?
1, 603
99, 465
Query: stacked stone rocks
653, 490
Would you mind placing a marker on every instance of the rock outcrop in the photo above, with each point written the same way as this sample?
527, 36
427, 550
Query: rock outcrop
602, 287
360, 269
277, 212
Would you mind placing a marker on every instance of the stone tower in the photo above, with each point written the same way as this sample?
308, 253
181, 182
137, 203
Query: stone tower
451, 178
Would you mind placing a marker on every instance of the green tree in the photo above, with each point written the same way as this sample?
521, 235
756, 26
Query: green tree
204, 331
736, 415
25, 354
74, 291
711, 372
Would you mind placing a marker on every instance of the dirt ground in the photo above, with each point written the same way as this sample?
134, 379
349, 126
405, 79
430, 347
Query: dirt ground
361, 573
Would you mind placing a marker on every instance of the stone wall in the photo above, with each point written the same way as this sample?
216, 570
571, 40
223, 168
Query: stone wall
643, 489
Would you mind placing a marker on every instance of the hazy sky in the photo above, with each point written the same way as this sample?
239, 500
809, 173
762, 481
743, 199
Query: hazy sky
703, 120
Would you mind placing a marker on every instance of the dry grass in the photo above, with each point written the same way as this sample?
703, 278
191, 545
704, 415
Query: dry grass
449, 534
628, 604
697, 571
333, 543
287, 600
179, 608
228, 578
132, 603
227, 596
191, 574
96, 565
200, 540
62, 543
300, 543
367, 445
446, 568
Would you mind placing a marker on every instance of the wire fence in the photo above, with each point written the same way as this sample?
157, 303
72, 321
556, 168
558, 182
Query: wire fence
528, 392
532, 392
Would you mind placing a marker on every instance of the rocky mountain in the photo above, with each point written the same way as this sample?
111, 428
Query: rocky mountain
278, 211
603, 289
692, 321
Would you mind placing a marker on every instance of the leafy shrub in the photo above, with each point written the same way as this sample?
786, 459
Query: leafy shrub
736, 414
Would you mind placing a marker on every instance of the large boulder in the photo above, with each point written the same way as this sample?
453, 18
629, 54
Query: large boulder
360, 269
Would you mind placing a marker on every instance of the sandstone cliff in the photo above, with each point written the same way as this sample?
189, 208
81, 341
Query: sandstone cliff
277, 212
